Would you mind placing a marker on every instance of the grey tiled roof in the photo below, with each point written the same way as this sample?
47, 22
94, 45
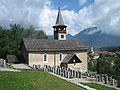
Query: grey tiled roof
12, 59
70, 57
52, 45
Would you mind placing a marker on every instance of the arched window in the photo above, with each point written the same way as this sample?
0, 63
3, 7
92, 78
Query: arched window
74, 61
45, 57
61, 56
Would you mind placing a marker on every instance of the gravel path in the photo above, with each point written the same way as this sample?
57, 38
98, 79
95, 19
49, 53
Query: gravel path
8, 69
21, 66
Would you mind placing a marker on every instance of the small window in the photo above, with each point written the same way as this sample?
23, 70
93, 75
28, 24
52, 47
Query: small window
45, 57
62, 36
74, 62
60, 56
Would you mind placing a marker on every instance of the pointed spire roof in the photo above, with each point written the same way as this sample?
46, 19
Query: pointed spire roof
59, 20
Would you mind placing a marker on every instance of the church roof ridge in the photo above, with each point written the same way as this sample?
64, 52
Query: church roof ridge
52, 45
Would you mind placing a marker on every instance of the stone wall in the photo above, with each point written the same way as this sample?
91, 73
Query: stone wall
54, 59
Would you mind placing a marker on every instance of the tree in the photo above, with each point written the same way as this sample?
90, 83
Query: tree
15, 36
40, 35
28, 33
116, 67
3, 37
104, 65
11, 38
92, 65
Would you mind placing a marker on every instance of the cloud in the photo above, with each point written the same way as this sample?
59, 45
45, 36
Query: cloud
103, 14
25, 12
106, 15
41, 13
77, 21
82, 2
47, 19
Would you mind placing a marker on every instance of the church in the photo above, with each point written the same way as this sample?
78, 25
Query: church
58, 52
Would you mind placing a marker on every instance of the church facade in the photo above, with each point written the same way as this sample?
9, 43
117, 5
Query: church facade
58, 52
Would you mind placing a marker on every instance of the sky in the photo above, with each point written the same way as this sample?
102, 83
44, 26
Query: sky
77, 14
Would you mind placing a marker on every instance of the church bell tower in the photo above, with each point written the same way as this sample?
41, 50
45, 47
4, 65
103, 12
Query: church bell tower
59, 28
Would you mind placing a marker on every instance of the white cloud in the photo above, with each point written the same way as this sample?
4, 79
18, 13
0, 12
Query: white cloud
103, 14
25, 12
40, 13
107, 15
77, 21
47, 19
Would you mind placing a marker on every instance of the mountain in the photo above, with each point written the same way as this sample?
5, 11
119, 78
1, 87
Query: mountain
50, 37
94, 37
70, 37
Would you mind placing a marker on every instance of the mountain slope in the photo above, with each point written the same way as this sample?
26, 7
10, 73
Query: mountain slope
94, 37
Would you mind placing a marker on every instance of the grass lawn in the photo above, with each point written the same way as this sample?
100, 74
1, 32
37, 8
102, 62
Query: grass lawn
98, 86
34, 81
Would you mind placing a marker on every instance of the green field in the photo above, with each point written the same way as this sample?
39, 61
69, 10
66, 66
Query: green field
98, 86
34, 81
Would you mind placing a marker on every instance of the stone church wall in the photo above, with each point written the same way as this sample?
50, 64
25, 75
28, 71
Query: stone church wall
53, 59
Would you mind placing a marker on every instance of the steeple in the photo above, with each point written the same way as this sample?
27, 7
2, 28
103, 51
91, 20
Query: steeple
59, 20
59, 27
